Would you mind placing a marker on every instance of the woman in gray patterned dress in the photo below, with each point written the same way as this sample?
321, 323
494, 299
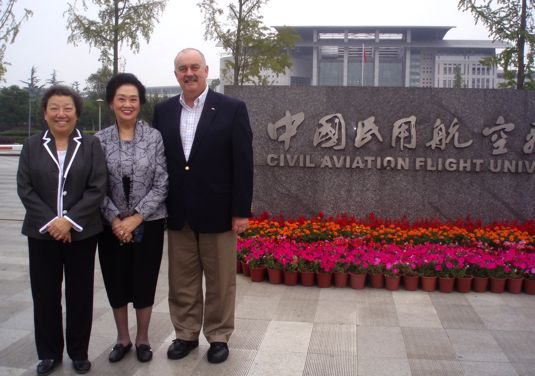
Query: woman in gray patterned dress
130, 248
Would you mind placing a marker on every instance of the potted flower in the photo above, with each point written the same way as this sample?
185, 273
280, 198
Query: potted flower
392, 276
410, 276
529, 281
428, 275
340, 270
481, 276
307, 269
257, 264
515, 279
274, 269
290, 272
376, 272
446, 278
463, 277
357, 274
498, 273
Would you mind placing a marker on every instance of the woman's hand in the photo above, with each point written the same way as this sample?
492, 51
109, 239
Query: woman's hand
60, 229
123, 228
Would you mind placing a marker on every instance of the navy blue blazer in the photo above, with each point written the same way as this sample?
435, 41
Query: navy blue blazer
216, 183
76, 194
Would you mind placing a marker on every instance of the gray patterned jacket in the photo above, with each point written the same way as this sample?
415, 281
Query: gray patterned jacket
143, 160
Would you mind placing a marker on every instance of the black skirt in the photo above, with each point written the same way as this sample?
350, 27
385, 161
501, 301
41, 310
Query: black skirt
130, 271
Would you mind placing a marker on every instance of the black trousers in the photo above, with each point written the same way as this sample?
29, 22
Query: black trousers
130, 271
49, 261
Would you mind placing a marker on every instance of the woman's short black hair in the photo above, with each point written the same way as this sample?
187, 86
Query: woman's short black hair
62, 91
121, 79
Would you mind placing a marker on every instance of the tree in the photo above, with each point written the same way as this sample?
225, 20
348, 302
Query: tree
508, 21
53, 80
96, 82
34, 92
13, 107
119, 22
255, 48
457, 77
9, 29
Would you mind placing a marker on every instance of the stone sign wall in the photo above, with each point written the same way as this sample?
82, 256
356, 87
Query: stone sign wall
394, 152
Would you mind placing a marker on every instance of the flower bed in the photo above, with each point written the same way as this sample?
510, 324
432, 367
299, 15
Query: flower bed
393, 248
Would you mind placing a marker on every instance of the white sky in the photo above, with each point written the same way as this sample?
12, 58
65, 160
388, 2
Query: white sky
43, 38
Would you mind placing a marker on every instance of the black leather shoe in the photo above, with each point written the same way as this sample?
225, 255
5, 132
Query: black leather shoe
46, 366
218, 352
143, 352
180, 348
118, 352
81, 366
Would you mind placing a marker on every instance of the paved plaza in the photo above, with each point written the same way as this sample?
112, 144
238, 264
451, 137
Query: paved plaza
287, 331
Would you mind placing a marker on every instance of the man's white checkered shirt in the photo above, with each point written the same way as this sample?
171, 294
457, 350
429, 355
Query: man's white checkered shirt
189, 118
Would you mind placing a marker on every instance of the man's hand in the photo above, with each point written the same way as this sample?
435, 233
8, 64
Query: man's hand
239, 224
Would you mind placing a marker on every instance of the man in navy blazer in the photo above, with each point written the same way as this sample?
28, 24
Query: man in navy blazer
208, 145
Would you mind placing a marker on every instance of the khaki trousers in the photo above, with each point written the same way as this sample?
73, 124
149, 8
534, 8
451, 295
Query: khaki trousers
191, 255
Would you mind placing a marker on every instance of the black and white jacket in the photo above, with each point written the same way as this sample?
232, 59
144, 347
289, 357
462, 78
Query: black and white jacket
75, 192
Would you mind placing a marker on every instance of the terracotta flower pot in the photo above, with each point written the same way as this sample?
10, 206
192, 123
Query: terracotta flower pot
529, 286
429, 284
480, 284
274, 276
445, 284
464, 284
340, 279
514, 285
324, 279
392, 282
245, 269
497, 285
357, 281
239, 269
410, 282
258, 274
377, 280
290, 278
307, 278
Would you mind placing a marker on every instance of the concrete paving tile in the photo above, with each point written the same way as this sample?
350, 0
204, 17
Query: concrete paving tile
519, 301
22, 296
346, 295
296, 310
336, 311
239, 363
377, 296
485, 299
248, 334
383, 367
502, 318
278, 363
524, 369
411, 297
330, 364
434, 367
4, 371
488, 369
22, 320
517, 345
418, 315
476, 346
7, 275
266, 289
9, 308
256, 307
453, 298
20, 354
12, 287
378, 314
459, 316
333, 339
10, 336
160, 365
380, 342
427, 343
287, 336
301, 293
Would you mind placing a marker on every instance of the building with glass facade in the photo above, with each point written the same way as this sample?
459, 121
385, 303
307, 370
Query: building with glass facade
395, 56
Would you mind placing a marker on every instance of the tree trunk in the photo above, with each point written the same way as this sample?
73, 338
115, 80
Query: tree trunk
116, 38
520, 47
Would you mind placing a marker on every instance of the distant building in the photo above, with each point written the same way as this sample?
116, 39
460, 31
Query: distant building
395, 56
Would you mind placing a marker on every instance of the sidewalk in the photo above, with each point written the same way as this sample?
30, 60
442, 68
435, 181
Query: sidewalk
288, 331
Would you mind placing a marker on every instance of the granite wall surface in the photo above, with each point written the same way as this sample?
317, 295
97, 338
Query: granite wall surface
418, 153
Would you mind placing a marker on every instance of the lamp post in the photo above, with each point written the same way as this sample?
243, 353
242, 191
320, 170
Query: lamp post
100, 101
